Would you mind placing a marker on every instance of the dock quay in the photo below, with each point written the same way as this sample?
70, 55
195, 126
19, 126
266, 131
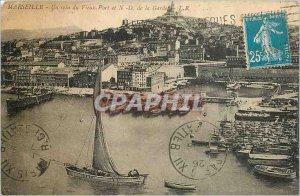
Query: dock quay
279, 107
217, 99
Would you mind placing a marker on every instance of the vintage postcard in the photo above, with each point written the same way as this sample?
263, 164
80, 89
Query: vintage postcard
145, 97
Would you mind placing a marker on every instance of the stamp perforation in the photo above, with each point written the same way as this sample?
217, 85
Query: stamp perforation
266, 41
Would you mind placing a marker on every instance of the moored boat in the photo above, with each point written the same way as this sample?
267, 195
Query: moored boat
285, 150
180, 186
233, 86
260, 86
269, 159
232, 103
213, 150
275, 172
15, 105
244, 153
202, 142
253, 116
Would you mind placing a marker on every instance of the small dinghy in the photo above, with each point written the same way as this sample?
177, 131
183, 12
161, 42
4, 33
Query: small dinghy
180, 186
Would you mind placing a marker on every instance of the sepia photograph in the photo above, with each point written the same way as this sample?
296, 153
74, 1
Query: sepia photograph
183, 97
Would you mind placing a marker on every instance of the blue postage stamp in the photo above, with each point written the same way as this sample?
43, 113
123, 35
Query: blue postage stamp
267, 41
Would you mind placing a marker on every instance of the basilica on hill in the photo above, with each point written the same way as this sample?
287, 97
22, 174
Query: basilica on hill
171, 11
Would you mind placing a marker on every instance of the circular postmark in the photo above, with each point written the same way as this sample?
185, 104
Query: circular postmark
24, 149
196, 150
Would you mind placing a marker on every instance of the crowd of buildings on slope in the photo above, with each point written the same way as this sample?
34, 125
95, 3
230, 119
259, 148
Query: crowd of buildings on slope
131, 54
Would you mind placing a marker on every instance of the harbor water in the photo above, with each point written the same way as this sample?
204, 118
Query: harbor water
134, 142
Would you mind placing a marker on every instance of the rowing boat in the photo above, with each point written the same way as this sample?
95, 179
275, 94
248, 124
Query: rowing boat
275, 172
180, 186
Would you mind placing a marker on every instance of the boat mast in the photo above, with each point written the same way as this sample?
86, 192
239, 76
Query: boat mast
99, 117
97, 145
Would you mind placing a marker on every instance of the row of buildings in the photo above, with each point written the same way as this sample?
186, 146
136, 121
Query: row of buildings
140, 78
138, 55
75, 53
136, 77
149, 40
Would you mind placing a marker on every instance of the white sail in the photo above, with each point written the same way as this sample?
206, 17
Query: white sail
101, 157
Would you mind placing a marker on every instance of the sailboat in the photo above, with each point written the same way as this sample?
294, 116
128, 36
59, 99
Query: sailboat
103, 169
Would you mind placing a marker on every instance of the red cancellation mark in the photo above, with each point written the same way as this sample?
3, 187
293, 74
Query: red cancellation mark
195, 150
24, 148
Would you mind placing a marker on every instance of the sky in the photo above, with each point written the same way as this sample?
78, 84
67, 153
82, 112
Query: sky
86, 15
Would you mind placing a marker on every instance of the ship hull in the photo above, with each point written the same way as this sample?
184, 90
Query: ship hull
21, 104
282, 163
242, 116
263, 171
203, 143
284, 150
173, 185
119, 180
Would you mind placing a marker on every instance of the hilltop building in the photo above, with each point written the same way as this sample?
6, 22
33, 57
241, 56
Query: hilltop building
171, 11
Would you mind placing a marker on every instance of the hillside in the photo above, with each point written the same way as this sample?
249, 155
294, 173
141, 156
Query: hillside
11, 34
195, 25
